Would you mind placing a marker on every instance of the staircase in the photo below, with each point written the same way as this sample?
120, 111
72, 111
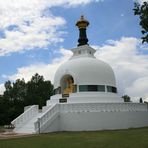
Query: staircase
31, 121
29, 126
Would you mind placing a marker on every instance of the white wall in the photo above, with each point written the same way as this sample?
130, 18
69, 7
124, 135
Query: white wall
88, 97
97, 116
89, 121
53, 126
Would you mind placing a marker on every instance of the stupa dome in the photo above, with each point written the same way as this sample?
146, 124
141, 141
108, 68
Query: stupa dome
85, 70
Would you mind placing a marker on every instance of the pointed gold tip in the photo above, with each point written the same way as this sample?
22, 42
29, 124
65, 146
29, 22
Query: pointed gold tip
82, 17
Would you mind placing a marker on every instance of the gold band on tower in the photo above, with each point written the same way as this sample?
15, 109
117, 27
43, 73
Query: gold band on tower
82, 23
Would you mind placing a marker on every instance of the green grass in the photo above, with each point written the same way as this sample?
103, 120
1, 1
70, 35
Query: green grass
132, 138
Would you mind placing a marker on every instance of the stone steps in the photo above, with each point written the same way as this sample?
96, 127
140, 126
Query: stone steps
29, 126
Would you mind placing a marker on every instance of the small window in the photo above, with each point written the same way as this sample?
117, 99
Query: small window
90, 52
92, 87
83, 88
79, 52
101, 88
111, 89
114, 89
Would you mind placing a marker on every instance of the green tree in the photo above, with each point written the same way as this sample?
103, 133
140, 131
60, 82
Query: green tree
19, 94
126, 98
140, 100
38, 91
19, 90
3, 110
142, 12
13, 100
8, 90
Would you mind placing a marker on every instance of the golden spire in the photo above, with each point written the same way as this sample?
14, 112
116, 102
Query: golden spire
82, 23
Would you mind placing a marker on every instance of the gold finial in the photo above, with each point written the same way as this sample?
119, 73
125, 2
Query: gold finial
82, 23
82, 17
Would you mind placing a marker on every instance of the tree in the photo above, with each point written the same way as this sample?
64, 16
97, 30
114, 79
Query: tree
126, 98
140, 100
13, 100
20, 93
142, 11
3, 110
8, 90
19, 90
38, 91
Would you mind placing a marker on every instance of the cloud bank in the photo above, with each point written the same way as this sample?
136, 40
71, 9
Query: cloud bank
29, 24
129, 64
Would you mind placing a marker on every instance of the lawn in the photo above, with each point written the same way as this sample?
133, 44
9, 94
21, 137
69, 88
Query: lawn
132, 138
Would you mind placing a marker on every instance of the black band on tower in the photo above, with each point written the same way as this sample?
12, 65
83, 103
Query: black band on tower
82, 37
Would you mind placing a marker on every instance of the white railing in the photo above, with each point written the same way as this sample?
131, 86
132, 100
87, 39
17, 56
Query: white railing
47, 116
26, 116
102, 107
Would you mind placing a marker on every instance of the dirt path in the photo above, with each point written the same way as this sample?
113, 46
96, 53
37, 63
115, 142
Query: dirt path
9, 135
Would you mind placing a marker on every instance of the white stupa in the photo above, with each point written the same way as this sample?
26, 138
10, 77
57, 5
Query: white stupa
85, 79
85, 97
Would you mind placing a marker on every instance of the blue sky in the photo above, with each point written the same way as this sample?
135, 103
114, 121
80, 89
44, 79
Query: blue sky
36, 36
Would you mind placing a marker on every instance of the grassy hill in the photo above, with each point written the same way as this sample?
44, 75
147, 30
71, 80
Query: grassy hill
132, 138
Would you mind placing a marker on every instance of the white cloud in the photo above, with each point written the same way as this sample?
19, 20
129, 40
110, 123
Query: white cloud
2, 89
47, 70
26, 24
31, 28
139, 86
130, 67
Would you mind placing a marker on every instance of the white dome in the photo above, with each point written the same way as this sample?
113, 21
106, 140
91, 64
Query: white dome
86, 71
83, 78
